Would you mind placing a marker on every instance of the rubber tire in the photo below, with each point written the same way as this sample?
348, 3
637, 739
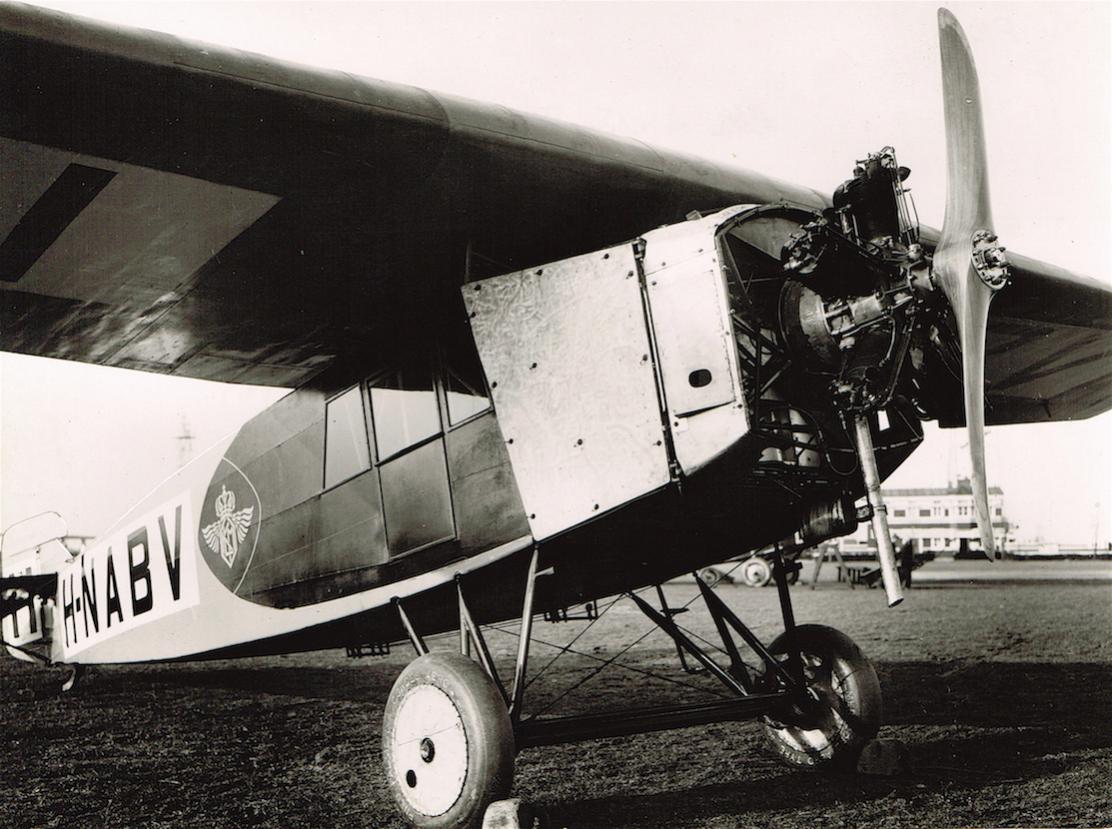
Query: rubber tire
858, 697
487, 729
756, 572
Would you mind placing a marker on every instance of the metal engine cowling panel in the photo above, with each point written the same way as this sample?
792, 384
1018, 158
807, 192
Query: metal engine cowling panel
566, 351
699, 368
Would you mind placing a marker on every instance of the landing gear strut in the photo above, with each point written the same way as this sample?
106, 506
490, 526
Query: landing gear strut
452, 728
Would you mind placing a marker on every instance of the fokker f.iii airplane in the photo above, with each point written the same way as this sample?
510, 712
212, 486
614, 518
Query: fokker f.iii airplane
533, 366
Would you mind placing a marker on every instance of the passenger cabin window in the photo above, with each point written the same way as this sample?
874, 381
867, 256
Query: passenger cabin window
463, 382
346, 449
405, 410
412, 466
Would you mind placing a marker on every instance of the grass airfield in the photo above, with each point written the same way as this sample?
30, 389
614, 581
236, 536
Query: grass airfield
996, 678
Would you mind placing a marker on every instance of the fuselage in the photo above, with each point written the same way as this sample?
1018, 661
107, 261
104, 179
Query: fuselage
392, 478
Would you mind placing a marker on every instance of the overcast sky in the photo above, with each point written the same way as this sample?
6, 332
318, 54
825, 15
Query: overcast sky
795, 90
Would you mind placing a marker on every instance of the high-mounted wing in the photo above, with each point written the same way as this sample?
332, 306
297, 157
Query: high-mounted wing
201, 212
207, 213
1048, 349
1049, 346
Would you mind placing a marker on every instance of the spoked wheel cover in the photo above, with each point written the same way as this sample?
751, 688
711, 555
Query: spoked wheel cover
845, 710
430, 750
818, 735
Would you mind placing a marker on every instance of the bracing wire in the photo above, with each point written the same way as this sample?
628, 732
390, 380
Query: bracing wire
613, 659
623, 666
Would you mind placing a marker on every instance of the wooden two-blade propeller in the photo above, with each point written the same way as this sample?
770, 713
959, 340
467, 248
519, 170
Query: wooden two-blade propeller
969, 267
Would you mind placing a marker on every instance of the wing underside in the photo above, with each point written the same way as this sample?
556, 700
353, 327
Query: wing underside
194, 211
1049, 347
200, 212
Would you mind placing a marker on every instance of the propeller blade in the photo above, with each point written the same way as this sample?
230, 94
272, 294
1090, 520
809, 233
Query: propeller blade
968, 266
968, 208
972, 327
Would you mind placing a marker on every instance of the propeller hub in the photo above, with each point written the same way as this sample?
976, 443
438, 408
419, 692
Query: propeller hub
989, 260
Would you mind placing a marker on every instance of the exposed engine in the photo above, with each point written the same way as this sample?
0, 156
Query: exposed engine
836, 316
855, 278
844, 323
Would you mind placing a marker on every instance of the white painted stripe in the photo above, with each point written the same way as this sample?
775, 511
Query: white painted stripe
223, 620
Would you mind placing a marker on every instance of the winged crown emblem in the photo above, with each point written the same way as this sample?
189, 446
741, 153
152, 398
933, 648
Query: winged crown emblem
226, 533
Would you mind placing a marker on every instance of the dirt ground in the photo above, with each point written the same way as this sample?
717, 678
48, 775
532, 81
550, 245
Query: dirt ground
999, 691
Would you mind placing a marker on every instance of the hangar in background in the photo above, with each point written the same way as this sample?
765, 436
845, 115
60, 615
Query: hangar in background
940, 520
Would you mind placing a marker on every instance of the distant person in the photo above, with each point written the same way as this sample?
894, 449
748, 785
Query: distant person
907, 562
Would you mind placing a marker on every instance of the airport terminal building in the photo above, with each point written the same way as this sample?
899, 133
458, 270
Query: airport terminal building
941, 520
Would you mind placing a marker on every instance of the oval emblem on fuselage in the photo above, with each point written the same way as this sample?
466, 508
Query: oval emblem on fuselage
229, 527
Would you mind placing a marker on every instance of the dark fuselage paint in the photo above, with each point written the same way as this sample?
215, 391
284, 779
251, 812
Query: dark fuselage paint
316, 543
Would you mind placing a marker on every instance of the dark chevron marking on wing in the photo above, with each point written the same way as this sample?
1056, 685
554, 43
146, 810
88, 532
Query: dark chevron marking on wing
41, 226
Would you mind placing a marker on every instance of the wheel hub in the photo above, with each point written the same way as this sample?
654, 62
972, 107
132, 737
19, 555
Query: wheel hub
811, 708
429, 747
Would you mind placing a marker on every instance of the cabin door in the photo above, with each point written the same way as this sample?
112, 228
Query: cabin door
413, 469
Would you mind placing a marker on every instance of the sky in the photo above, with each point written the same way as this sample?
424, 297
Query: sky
795, 90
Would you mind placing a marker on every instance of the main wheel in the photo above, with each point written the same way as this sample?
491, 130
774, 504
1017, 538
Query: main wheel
831, 729
447, 742
756, 572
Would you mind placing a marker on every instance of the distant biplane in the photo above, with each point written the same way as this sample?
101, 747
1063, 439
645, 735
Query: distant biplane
532, 363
